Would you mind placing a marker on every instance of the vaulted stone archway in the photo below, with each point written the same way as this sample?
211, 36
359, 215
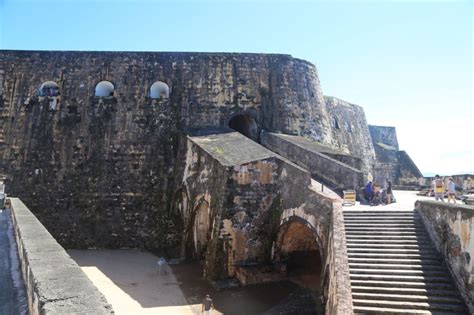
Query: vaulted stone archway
246, 125
297, 247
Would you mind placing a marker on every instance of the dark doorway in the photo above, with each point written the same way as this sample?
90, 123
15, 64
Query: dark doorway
246, 125
296, 246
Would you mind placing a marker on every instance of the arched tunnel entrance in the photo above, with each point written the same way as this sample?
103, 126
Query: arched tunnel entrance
297, 248
246, 125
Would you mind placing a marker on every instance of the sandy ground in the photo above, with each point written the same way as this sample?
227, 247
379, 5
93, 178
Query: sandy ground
405, 202
130, 282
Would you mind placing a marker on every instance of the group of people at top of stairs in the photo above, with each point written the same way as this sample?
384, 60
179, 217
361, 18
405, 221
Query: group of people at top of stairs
376, 195
439, 189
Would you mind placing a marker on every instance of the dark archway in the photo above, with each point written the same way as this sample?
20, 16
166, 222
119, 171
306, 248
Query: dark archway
296, 246
246, 125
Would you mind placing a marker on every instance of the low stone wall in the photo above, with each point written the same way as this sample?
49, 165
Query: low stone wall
55, 283
338, 292
451, 228
329, 170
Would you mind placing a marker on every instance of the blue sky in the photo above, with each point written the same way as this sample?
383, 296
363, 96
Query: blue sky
408, 63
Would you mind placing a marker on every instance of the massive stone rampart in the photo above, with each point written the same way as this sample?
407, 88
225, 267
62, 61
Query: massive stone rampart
451, 228
101, 171
55, 284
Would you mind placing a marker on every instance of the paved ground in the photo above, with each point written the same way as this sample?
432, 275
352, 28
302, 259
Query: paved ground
130, 282
405, 201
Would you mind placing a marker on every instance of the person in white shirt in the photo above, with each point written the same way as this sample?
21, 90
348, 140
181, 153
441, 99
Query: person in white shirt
451, 190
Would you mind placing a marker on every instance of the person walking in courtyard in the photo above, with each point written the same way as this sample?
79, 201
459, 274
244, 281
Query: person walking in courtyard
161, 266
451, 190
207, 305
438, 188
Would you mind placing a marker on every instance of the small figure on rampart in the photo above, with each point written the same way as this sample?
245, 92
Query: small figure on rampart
438, 188
451, 190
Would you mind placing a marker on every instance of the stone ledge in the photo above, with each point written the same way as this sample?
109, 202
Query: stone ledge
55, 283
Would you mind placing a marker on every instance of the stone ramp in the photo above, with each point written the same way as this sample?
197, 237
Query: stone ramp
394, 267
317, 159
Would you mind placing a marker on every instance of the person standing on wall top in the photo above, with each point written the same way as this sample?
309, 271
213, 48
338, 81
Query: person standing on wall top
438, 188
451, 190
389, 192
207, 305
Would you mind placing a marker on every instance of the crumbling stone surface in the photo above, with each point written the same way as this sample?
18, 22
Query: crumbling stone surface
451, 228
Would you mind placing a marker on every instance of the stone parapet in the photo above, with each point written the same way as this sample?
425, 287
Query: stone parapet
55, 284
321, 166
451, 228
338, 289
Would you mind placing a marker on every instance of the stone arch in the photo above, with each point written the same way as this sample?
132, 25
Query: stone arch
104, 89
48, 88
201, 228
246, 125
299, 248
159, 90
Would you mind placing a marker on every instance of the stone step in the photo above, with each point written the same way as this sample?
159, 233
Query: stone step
393, 311
357, 212
384, 228
382, 218
387, 236
394, 255
381, 224
384, 232
409, 305
388, 241
401, 267
424, 246
403, 291
410, 297
399, 261
394, 272
403, 284
391, 250
424, 279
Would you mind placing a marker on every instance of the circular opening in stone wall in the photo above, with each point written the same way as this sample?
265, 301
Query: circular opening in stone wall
246, 125
48, 88
159, 90
104, 89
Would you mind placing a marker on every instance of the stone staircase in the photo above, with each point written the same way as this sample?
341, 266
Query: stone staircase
394, 267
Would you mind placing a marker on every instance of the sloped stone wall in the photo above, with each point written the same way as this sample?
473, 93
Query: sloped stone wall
451, 228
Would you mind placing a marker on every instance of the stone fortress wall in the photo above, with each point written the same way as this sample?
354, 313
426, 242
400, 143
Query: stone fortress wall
125, 169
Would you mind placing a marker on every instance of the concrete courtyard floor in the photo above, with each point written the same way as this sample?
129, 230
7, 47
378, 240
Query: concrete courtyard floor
130, 282
405, 202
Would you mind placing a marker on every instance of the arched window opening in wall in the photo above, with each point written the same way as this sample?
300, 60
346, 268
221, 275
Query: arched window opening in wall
159, 90
104, 89
201, 229
334, 122
347, 126
246, 125
48, 88
297, 247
